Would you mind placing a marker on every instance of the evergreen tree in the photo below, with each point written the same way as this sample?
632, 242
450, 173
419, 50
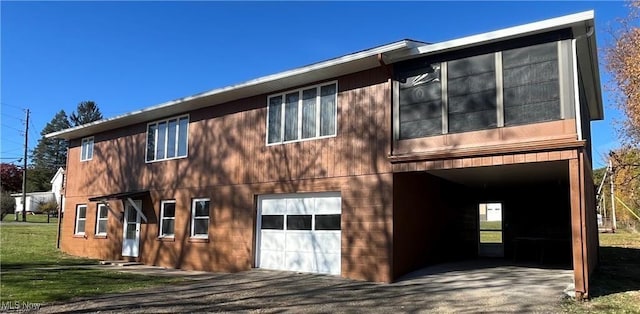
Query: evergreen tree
87, 112
49, 154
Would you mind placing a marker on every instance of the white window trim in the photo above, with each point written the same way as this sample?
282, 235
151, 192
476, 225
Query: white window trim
98, 219
193, 217
83, 153
146, 150
300, 100
162, 219
75, 228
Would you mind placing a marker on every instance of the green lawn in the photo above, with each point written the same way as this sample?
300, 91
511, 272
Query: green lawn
33, 270
616, 284
39, 218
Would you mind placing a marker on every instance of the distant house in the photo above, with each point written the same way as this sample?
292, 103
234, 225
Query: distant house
368, 166
35, 199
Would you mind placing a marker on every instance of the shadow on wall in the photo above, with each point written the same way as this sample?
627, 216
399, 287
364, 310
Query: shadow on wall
230, 163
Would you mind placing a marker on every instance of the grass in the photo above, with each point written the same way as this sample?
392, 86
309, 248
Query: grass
37, 218
615, 286
33, 270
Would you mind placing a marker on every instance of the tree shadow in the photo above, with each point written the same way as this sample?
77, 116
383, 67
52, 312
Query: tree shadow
617, 271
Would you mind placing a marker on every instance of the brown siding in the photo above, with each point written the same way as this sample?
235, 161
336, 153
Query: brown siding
488, 139
430, 217
230, 162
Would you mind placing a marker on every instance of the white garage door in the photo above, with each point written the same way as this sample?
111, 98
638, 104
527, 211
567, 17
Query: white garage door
299, 232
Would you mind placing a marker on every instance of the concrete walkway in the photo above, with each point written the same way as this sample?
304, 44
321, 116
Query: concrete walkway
466, 287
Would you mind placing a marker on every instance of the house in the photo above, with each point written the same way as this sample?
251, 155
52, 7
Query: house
35, 199
368, 166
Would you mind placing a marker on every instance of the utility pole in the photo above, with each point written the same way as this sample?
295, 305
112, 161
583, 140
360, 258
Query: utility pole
613, 201
24, 169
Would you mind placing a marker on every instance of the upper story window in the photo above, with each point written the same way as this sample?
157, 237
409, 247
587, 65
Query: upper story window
505, 88
302, 114
86, 151
167, 139
531, 84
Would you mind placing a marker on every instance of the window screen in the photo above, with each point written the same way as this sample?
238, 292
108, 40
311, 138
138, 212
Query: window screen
420, 101
531, 85
471, 91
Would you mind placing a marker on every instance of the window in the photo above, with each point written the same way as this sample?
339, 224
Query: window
471, 92
81, 218
200, 217
302, 114
298, 222
420, 101
101, 219
328, 222
272, 222
511, 87
167, 218
86, 151
167, 139
531, 85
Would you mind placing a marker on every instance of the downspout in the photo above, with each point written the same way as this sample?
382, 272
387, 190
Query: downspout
576, 90
60, 211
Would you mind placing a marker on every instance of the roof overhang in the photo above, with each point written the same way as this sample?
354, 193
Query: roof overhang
120, 196
582, 26
351, 63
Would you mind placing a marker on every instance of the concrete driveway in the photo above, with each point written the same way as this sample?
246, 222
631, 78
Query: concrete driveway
474, 286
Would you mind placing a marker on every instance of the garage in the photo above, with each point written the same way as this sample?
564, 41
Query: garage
299, 232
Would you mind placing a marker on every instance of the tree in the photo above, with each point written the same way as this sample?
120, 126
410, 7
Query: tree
622, 59
87, 112
49, 154
10, 177
7, 204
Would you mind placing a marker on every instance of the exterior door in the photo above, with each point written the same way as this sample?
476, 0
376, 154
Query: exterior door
490, 237
131, 230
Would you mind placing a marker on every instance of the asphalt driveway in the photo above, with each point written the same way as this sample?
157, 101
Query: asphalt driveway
474, 286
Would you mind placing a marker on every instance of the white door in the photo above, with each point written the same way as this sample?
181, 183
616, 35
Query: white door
131, 230
300, 232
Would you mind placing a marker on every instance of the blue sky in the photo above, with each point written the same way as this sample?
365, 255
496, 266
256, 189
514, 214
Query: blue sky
131, 55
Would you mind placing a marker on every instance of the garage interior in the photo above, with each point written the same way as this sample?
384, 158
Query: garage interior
437, 216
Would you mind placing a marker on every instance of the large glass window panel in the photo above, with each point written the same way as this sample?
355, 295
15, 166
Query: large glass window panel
161, 144
471, 93
420, 95
183, 131
171, 138
291, 117
309, 113
168, 218
275, 117
531, 84
328, 94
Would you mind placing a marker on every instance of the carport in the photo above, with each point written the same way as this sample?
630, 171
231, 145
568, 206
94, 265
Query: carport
518, 213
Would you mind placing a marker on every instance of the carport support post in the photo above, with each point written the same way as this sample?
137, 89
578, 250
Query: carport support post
578, 229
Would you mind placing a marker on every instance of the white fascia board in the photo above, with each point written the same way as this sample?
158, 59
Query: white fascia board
507, 33
322, 70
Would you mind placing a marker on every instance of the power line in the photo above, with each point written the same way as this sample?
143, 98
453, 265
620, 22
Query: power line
10, 127
12, 106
